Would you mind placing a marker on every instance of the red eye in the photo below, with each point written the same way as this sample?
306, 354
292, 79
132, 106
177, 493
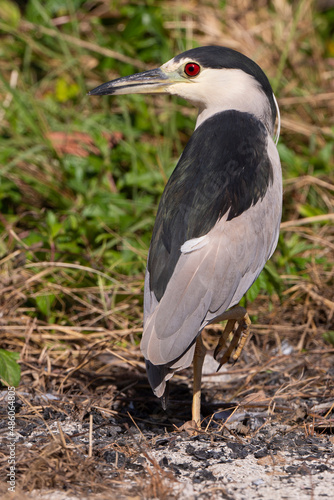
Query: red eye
192, 69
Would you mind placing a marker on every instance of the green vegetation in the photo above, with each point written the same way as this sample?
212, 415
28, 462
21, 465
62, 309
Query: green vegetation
81, 177
10, 370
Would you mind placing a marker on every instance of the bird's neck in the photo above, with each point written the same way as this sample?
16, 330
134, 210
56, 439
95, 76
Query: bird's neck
240, 93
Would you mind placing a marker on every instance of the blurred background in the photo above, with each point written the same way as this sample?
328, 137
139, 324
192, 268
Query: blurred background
81, 177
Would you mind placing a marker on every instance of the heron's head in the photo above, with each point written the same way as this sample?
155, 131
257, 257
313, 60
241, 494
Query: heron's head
212, 78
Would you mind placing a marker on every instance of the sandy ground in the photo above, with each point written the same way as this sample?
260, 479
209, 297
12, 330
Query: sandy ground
291, 466
241, 453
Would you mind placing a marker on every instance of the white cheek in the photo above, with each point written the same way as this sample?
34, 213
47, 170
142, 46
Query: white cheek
187, 91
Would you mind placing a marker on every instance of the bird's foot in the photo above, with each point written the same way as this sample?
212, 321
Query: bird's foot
238, 341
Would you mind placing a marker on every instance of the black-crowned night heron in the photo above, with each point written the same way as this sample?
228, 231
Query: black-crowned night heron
218, 219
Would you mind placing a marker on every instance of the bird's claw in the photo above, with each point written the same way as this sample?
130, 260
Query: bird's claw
238, 341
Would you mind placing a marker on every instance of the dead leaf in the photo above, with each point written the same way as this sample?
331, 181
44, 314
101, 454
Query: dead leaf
79, 143
190, 427
255, 397
272, 460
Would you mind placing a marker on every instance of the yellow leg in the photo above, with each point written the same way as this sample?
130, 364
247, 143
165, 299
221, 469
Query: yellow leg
224, 336
235, 314
199, 356
245, 332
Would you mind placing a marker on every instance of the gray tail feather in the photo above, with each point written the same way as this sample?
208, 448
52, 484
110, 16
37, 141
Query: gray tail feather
164, 397
157, 377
